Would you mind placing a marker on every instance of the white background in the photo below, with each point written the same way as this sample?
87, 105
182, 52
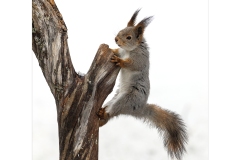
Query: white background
178, 28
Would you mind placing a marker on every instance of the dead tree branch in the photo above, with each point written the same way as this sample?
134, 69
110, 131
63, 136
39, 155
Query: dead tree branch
77, 98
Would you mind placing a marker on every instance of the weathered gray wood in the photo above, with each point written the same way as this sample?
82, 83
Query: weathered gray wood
78, 98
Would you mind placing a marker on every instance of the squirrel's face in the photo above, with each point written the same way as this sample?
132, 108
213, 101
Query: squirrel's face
130, 37
127, 39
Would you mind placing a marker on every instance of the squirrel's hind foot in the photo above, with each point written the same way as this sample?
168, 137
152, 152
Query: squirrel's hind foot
103, 116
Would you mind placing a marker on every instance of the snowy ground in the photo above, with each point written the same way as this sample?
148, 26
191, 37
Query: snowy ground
122, 138
179, 77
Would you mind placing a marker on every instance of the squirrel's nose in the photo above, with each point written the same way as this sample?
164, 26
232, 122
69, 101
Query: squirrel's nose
116, 39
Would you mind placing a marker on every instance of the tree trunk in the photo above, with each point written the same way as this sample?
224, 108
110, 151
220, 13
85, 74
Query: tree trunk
78, 98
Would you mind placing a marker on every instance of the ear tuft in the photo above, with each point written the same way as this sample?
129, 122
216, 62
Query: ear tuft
146, 21
140, 27
133, 18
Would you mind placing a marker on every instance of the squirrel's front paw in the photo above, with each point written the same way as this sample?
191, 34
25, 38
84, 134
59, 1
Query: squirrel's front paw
116, 59
121, 62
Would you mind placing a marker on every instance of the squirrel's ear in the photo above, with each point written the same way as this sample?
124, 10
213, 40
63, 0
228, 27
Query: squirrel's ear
132, 20
139, 31
140, 27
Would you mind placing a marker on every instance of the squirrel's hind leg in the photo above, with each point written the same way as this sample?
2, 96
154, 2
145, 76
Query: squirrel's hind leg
111, 109
102, 114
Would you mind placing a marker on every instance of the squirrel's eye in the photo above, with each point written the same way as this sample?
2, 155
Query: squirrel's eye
129, 37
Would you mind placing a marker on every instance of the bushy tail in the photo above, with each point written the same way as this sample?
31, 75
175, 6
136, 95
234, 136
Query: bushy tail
171, 126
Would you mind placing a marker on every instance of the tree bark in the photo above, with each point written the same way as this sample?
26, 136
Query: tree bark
78, 98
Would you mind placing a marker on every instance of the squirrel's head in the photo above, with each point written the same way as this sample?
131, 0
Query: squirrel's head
131, 36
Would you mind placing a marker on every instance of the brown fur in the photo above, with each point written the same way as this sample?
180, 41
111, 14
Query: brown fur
172, 127
52, 2
115, 51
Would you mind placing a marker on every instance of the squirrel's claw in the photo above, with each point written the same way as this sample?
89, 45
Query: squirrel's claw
100, 113
103, 116
115, 59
